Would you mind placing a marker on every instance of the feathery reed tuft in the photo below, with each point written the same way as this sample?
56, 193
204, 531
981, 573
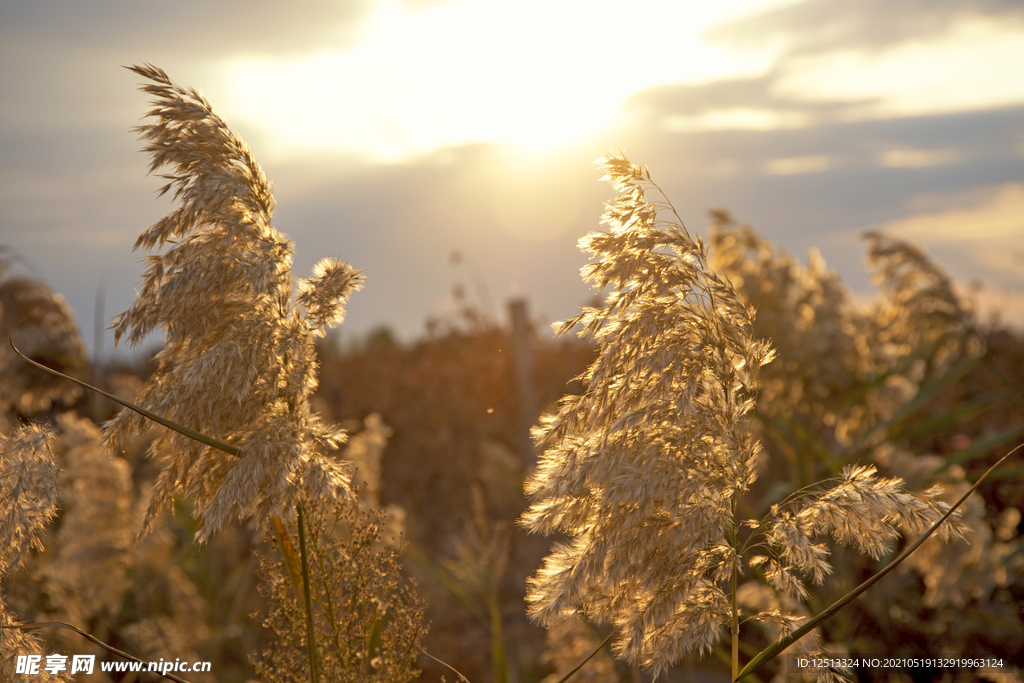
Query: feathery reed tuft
369, 620
920, 309
645, 470
93, 554
860, 511
238, 361
43, 326
29, 494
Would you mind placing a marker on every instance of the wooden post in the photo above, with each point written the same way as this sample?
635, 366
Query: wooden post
522, 357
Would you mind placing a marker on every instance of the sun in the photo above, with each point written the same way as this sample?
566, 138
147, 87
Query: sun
542, 76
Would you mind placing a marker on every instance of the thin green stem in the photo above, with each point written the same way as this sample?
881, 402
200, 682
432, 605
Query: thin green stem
735, 625
314, 664
774, 650
499, 660
444, 663
579, 666
735, 585
190, 433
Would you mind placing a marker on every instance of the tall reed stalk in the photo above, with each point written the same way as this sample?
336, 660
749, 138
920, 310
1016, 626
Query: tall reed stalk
238, 366
238, 362
645, 471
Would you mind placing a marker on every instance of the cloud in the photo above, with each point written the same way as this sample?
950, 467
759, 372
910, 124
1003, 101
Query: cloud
735, 104
983, 214
60, 59
750, 94
999, 304
206, 29
980, 232
805, 171
797, 165
746, 122
970, 67
859, 59
816, 26
917, 158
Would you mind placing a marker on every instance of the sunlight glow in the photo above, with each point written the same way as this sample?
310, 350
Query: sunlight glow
534, 203
540, 76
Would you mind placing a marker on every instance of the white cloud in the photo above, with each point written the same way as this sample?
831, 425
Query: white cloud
904, 157
735, 119
979, 237
979, 64
797, 165
996, 213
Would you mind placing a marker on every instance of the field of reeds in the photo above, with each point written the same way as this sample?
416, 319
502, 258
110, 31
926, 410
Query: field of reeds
729, 466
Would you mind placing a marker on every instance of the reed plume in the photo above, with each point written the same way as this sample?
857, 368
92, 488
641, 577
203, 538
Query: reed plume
645, 470
369, 620
29, 494
238, 368
43, 326
238, 360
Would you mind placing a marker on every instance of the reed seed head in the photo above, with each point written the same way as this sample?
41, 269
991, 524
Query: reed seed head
239, 361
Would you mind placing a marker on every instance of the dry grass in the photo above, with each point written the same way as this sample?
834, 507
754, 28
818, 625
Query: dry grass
654, 474
238, 361
369, 622
43, 326
646, 469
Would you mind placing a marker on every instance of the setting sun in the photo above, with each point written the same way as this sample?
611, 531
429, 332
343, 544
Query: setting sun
419, 79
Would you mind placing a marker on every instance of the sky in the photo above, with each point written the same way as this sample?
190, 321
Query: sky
399, 132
